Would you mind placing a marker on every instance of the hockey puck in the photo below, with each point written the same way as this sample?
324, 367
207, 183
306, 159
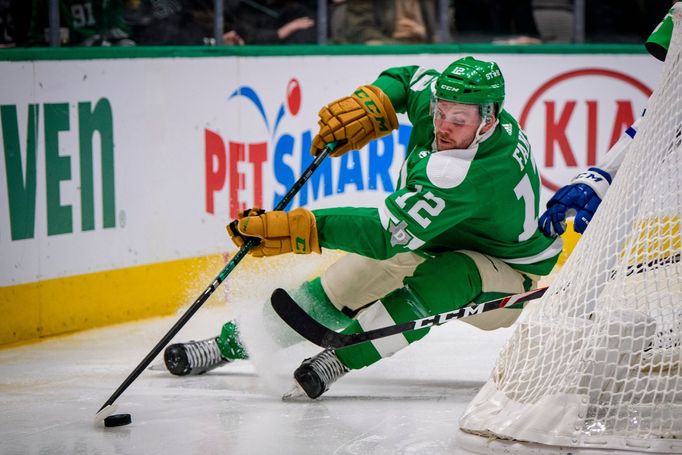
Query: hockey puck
117, 420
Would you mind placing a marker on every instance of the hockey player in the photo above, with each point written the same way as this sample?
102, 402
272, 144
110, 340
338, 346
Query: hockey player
461, 226
582, 196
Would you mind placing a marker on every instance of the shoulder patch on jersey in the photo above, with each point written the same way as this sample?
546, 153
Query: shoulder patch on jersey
508, 128
449, 168
399, 233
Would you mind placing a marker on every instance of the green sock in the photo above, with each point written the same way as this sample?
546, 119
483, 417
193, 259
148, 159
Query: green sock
311, 297
402, 305
231, 347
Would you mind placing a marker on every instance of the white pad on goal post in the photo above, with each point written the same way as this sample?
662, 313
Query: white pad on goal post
596, 365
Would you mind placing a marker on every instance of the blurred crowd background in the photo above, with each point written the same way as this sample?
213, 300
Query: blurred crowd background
35, 23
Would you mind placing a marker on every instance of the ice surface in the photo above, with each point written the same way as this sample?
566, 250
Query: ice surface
409, 403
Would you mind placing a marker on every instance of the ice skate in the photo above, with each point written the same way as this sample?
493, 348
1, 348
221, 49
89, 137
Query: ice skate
193, 357
198, 357
316, 375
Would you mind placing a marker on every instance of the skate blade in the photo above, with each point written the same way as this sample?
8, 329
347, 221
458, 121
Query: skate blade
157, 367
296, 394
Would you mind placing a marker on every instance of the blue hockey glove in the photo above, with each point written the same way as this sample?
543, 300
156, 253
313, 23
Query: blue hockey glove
581, 198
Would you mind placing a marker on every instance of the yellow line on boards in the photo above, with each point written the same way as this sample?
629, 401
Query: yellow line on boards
52, 307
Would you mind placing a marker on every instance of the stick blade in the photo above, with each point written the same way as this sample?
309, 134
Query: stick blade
300, 321
105, 412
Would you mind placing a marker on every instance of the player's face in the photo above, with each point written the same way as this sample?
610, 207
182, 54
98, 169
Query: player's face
456, 124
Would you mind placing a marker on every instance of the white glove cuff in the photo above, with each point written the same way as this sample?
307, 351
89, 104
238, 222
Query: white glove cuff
594, 180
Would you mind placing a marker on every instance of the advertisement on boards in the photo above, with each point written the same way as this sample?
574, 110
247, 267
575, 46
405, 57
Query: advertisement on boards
115, 163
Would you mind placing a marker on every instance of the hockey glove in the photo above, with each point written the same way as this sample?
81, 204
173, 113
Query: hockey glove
580, 198
236, 237
279, 232
355, 120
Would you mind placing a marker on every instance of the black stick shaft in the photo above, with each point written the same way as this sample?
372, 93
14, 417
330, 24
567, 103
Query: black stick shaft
306, 326
236, 259
310, 329
442, 318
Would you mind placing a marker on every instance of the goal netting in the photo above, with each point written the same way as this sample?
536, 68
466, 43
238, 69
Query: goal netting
596, 365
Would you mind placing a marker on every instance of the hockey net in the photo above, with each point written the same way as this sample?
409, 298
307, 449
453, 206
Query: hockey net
596, 365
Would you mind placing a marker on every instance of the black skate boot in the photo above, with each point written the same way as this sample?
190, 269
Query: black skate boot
197, 357
194, 357
317, 373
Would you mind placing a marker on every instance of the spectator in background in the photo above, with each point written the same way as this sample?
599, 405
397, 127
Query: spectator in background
8, 34
554, 19
171, 22
622, 21
337, 21
191, 22
387, 22
499, 21
268, 22
82, 23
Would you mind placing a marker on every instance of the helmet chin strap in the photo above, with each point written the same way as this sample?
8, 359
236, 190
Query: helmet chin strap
480, 137
486, 117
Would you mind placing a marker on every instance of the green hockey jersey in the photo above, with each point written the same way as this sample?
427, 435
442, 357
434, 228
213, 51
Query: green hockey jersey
484, 198
82, 18
658, 42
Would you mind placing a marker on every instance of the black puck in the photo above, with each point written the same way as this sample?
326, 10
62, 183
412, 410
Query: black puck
117, 420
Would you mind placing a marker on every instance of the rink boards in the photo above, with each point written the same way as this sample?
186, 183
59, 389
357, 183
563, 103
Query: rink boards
120, 170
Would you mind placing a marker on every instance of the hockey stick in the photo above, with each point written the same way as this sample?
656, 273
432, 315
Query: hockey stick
317, 333
313, 331
236, 259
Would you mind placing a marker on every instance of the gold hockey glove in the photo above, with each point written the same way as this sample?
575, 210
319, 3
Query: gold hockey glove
279, 232
353, 121
232, 230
